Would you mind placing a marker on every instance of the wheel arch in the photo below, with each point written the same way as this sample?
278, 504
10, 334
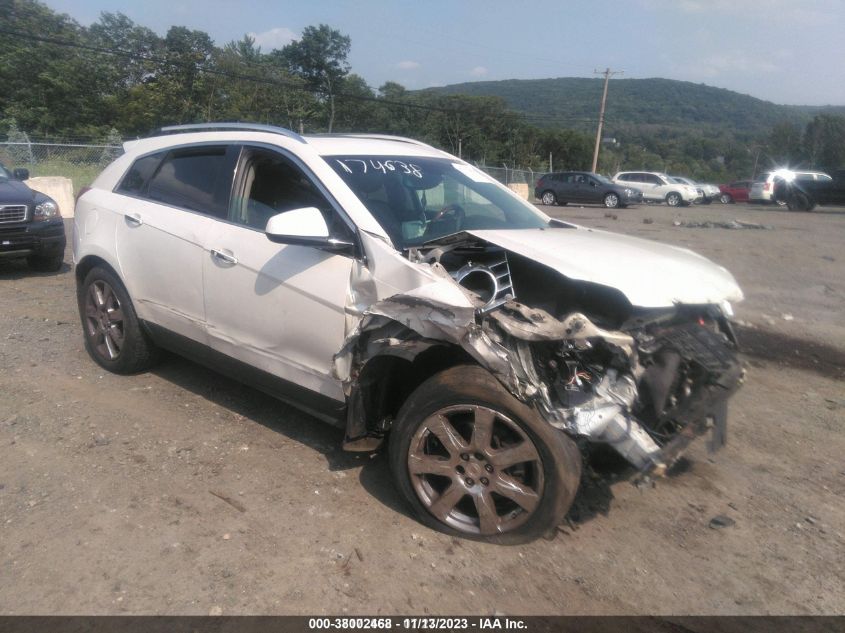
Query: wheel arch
88, 263
386, 380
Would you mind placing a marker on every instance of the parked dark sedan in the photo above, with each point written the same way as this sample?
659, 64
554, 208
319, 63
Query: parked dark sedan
564, 187
30, 223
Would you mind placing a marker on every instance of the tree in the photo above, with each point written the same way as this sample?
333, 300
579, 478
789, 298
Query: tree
785, 143
824, 142
319, 58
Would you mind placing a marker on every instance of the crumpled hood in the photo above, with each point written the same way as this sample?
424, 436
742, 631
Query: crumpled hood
649, 274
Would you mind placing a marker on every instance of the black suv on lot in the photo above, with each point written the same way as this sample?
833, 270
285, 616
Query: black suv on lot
584, 186
804, 194
30, 223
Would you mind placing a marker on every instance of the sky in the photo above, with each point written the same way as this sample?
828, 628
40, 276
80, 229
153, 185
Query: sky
785, 51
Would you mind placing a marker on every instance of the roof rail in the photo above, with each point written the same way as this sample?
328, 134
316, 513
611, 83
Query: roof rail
223, 127
379, 137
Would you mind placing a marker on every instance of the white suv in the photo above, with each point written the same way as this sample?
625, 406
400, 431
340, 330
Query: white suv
396, 291
658, 187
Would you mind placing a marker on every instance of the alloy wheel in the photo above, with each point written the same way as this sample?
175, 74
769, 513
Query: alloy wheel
475, 470
611, 201
104, 320
548, 198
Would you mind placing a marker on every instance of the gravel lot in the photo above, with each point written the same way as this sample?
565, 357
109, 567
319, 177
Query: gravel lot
180, 491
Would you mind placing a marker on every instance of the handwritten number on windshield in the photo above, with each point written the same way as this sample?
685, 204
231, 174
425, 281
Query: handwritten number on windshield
351, 165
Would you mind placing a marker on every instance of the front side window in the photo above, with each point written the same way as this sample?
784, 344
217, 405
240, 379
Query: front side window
418, 199
272, 184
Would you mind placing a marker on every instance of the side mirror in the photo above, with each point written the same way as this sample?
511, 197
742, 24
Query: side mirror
305, 227
20, 174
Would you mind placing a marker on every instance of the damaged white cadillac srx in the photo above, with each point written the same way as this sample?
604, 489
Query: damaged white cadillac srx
398, 292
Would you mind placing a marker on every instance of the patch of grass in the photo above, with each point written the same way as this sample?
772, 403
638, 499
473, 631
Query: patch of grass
81, 174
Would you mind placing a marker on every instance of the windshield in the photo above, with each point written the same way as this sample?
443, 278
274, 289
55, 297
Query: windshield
602, 179
418, 199
4, 175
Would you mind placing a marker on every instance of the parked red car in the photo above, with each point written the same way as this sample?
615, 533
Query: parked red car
735, 192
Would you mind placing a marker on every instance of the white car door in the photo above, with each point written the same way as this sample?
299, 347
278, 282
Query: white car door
168, 202
279, 308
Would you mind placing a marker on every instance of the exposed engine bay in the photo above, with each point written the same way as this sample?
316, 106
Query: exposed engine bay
646, 381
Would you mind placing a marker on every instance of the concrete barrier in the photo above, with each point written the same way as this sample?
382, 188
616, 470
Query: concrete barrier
58, 188
520, 188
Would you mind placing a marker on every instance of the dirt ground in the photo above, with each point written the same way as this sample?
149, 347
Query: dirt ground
182, 492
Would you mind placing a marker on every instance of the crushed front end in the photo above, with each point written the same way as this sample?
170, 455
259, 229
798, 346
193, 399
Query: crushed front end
647, 396
646, 381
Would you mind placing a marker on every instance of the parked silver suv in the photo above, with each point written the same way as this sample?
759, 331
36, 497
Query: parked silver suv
396, 291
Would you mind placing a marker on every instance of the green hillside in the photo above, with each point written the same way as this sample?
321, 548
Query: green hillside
573, 102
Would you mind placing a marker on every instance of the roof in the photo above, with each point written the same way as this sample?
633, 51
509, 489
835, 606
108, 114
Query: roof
322, 144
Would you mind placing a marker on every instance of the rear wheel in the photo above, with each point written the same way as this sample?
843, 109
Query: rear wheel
549, 198
472, 460
673, 199
799, 201
113, 334
611, 200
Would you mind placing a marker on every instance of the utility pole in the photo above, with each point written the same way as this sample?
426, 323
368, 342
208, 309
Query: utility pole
607, 74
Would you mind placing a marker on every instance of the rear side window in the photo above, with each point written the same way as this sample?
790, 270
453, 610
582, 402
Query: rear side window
628, 177
189, 178
135, 181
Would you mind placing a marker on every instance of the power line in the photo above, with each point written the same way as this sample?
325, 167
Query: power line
214, 71
546, 118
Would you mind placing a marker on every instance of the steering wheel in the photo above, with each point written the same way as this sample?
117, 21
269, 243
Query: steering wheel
455, 209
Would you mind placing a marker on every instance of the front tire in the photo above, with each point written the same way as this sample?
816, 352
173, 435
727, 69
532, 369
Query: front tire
611, 201
548, 198
726, 198
674, 199
472, 460
113, 335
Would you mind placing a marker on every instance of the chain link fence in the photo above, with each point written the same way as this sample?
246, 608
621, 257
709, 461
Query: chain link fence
82, 163
79, 162
522, 181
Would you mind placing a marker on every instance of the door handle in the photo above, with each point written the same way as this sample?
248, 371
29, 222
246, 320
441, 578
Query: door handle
223, 257
133, 219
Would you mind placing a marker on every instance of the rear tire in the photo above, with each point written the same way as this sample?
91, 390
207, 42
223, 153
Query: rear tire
549, 198
113, 335
499, 474
800, 201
